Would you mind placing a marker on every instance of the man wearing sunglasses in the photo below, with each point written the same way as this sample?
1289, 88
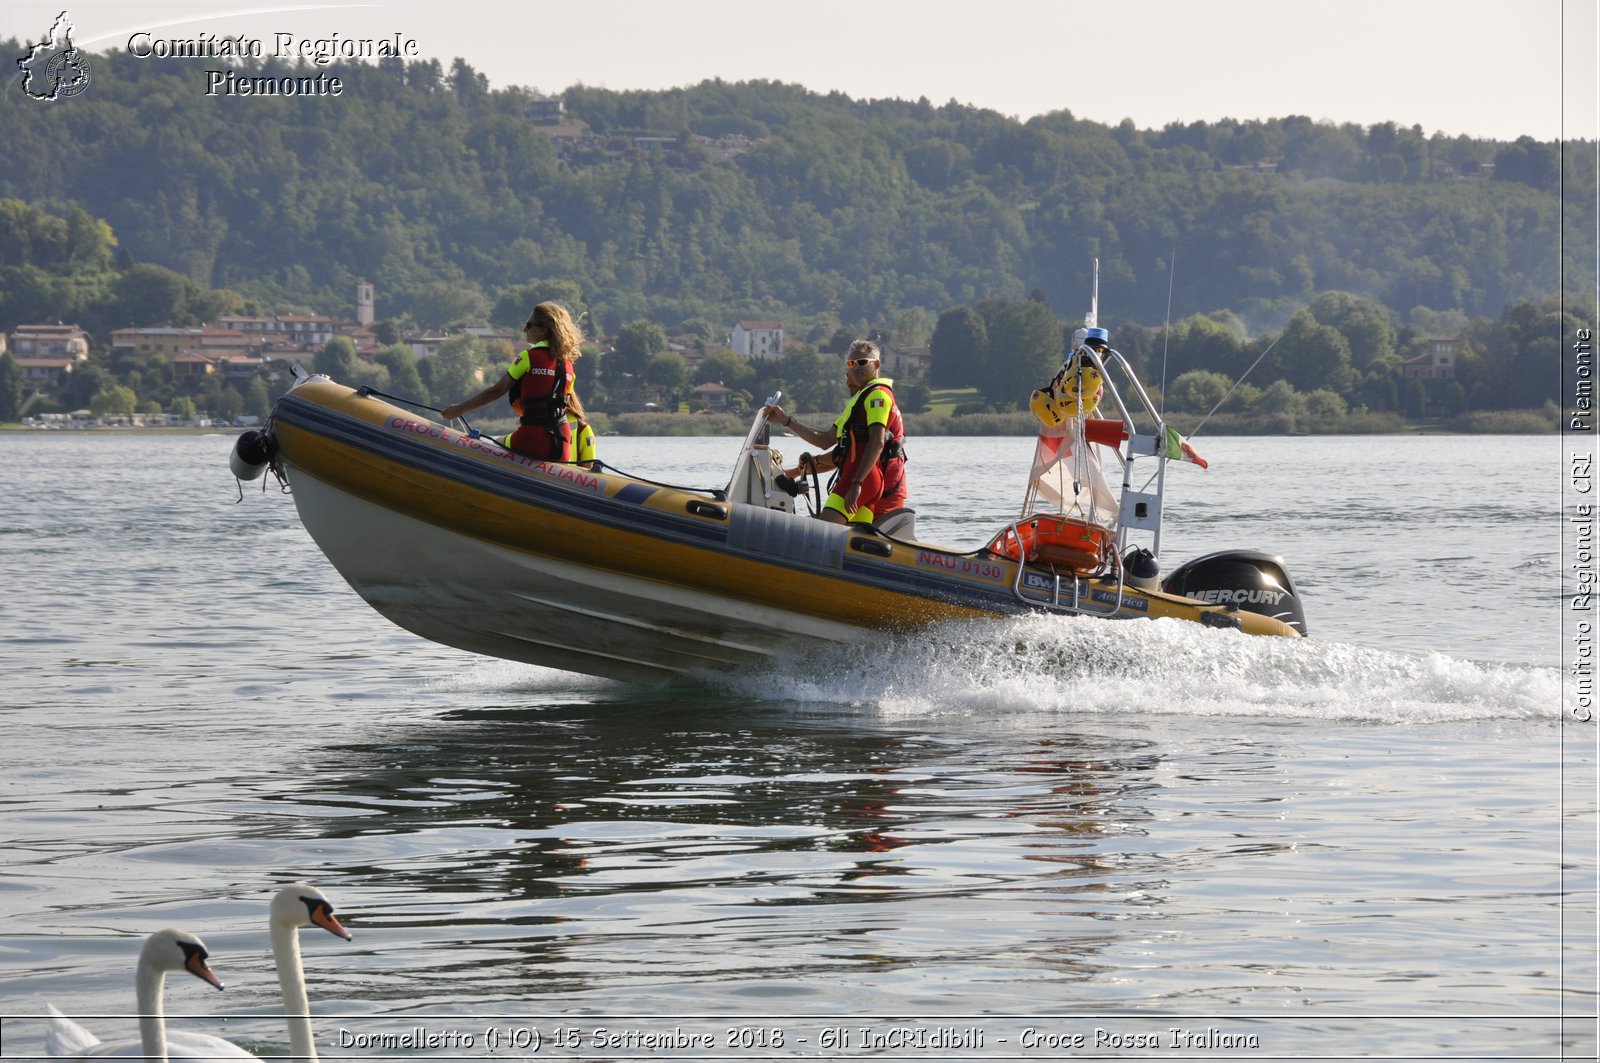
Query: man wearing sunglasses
867, 443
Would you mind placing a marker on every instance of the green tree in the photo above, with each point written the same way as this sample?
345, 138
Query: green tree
1363, 323
669, 374
229, 404
31, 236
338, 359
839, 341
257, 399
959, 347
148, 294
1515, 362
637, 342
808, 382
404, 379
83, 384
1529, 162
913, 396
1323, 406
723, 366
1381, 390
1310, 356
1534, 343
28, 293
702, 329
937, 164
1025, 351
182, 408
11, 392
1197, 391
208, 305
114, 401
1207, 341
455, 372
1414, 396
1282, 399
90, 243
441, 304
911, 326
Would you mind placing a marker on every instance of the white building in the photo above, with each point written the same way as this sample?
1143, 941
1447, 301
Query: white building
50, 341
757, 339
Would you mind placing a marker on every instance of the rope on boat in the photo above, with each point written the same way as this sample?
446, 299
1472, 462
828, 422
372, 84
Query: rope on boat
366, 389
718, 493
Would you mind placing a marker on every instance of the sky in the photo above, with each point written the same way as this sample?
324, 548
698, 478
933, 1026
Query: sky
1487, 68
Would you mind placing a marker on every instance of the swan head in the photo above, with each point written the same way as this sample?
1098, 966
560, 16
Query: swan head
178, 950
301, 905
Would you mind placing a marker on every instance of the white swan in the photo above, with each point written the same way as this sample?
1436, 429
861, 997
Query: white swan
164, 951
293, 907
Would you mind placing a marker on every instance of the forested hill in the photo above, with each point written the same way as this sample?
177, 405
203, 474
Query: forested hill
817, 209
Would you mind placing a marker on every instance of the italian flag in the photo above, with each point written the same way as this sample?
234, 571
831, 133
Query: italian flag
1179, 449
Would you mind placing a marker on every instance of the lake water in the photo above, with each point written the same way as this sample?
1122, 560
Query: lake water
1033, 839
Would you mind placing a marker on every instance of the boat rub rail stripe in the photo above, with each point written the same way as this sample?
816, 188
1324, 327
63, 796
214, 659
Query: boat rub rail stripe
396, 439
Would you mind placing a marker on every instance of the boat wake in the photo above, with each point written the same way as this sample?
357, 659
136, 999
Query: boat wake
1158, 667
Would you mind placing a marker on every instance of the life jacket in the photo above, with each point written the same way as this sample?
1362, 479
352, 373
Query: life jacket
539, 395
582, 439
852, 429
1076, 390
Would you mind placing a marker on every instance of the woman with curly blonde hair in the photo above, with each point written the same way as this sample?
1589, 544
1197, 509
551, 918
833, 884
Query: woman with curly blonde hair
539, 382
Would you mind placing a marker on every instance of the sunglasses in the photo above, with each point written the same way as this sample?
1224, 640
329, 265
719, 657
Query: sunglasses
857, 363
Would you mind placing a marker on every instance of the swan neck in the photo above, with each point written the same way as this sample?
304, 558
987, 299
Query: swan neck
148, 983
292, 980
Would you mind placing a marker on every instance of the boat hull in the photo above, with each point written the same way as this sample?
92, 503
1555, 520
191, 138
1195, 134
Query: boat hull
454, 539
541, 609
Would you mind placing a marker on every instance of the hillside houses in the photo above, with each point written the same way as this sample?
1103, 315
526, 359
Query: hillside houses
757, 339
46, 353
908, 362
48, 341
1436, 362
294, 329
236, 347
211, 368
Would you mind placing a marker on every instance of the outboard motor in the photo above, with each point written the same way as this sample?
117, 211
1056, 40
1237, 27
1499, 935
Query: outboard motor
1241, 579
252, 453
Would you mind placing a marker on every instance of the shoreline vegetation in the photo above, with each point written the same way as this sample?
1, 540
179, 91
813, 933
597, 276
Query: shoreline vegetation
1022, 423
1017, 423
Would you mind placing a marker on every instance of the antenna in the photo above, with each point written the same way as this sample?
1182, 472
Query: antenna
1092, 318
1166, 330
